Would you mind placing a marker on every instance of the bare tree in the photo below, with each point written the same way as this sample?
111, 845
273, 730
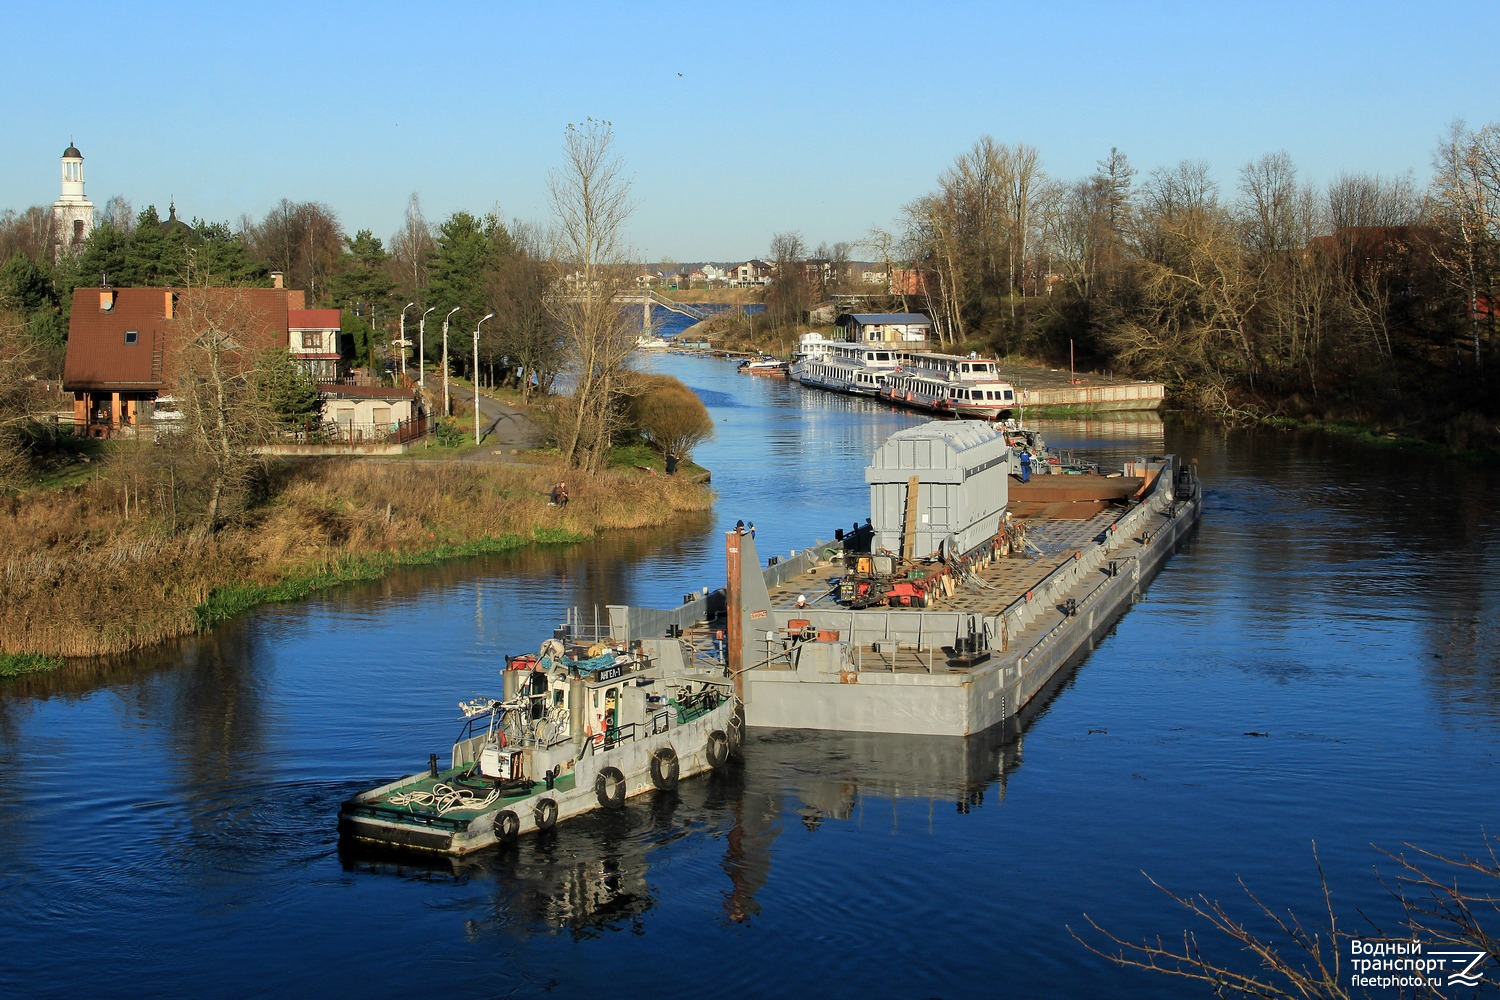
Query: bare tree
1466, 191
590, 204
22, 397
118, 212
215, 341
302, 240
1270, 212
1370, 200
1298, 959
789, 295
883, 244
411, 246
32, 232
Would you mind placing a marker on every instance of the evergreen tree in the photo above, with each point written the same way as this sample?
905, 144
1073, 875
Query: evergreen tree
363, 276
467, 251
217, 255
156, 254
286, 388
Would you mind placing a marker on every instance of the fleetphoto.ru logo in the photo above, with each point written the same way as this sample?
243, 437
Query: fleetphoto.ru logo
1407, 963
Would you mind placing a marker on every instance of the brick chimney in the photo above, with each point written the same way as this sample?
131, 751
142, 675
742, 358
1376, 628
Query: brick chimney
275, 279
106, 299
168, 304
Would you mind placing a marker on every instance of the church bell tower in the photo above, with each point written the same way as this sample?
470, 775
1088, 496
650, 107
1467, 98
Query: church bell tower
73, 213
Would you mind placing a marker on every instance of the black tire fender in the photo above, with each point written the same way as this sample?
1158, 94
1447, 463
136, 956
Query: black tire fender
718, 749
609, 788
545, 814
664, 769
507, 825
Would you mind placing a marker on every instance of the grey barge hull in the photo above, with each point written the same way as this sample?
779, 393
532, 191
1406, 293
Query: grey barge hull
969, 662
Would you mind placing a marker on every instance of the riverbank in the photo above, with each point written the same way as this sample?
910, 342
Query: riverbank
94, 570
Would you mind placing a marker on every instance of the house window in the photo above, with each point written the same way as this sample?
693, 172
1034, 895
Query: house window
311, 340
131, 336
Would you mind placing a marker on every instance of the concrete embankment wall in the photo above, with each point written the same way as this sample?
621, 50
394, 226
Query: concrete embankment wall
1138, 396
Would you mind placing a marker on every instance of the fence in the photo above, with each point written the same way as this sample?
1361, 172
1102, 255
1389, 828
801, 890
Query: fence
352, 432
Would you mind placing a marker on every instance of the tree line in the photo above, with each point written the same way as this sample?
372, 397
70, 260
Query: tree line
1370, 299
546, 294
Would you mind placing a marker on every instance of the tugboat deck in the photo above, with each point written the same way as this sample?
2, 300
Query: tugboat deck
453, 781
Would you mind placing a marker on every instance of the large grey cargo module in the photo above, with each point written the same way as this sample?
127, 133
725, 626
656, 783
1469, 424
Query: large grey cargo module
963, 468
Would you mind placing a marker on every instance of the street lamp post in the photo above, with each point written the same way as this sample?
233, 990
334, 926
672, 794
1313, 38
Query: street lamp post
422, 348
476, 374
447, 412
409, 305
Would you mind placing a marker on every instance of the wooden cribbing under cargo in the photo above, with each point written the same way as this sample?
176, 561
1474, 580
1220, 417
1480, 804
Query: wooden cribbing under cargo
1070, 497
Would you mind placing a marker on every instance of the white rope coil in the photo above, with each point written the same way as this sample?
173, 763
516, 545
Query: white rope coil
443, 799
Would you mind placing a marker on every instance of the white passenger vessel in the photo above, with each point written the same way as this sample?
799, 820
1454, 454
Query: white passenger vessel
951, 385
840, 366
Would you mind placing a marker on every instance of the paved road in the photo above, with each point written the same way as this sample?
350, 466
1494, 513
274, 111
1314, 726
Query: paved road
504, 428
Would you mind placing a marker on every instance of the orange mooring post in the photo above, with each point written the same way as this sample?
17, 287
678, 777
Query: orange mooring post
733, 613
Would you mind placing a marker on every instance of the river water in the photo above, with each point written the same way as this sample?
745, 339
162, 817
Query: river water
167, 824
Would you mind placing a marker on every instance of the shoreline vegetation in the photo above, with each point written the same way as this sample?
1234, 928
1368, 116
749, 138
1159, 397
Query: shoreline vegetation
96, 569
1466, 437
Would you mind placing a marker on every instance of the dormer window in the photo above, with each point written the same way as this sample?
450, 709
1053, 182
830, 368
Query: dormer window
131, 336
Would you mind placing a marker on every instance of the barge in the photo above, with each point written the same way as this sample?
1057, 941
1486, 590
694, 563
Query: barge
956, 602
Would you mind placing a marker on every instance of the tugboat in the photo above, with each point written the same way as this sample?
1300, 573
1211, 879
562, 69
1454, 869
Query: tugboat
579, 728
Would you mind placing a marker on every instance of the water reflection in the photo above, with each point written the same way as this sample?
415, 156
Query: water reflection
593, 875
1337, 596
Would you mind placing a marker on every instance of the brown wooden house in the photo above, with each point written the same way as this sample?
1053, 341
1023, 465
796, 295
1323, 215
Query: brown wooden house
123, 344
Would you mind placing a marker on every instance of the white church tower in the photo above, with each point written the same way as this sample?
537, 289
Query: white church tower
73, 213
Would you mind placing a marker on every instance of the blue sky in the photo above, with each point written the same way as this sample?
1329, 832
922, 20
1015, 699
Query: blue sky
733, 121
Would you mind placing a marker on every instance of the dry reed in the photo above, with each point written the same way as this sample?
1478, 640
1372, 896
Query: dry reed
106, 567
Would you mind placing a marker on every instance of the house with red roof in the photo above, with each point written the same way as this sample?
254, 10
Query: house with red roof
125, 347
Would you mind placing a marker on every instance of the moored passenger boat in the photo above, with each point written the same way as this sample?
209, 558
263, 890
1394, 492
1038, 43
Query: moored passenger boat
974, 387
840, 366
577, 729
918, 390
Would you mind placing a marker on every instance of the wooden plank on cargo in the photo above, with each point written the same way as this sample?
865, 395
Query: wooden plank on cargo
913, 487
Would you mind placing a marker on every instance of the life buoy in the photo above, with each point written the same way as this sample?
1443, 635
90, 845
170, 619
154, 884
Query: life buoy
545, 814
609, 788
664, 769
718, 749
507, 825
